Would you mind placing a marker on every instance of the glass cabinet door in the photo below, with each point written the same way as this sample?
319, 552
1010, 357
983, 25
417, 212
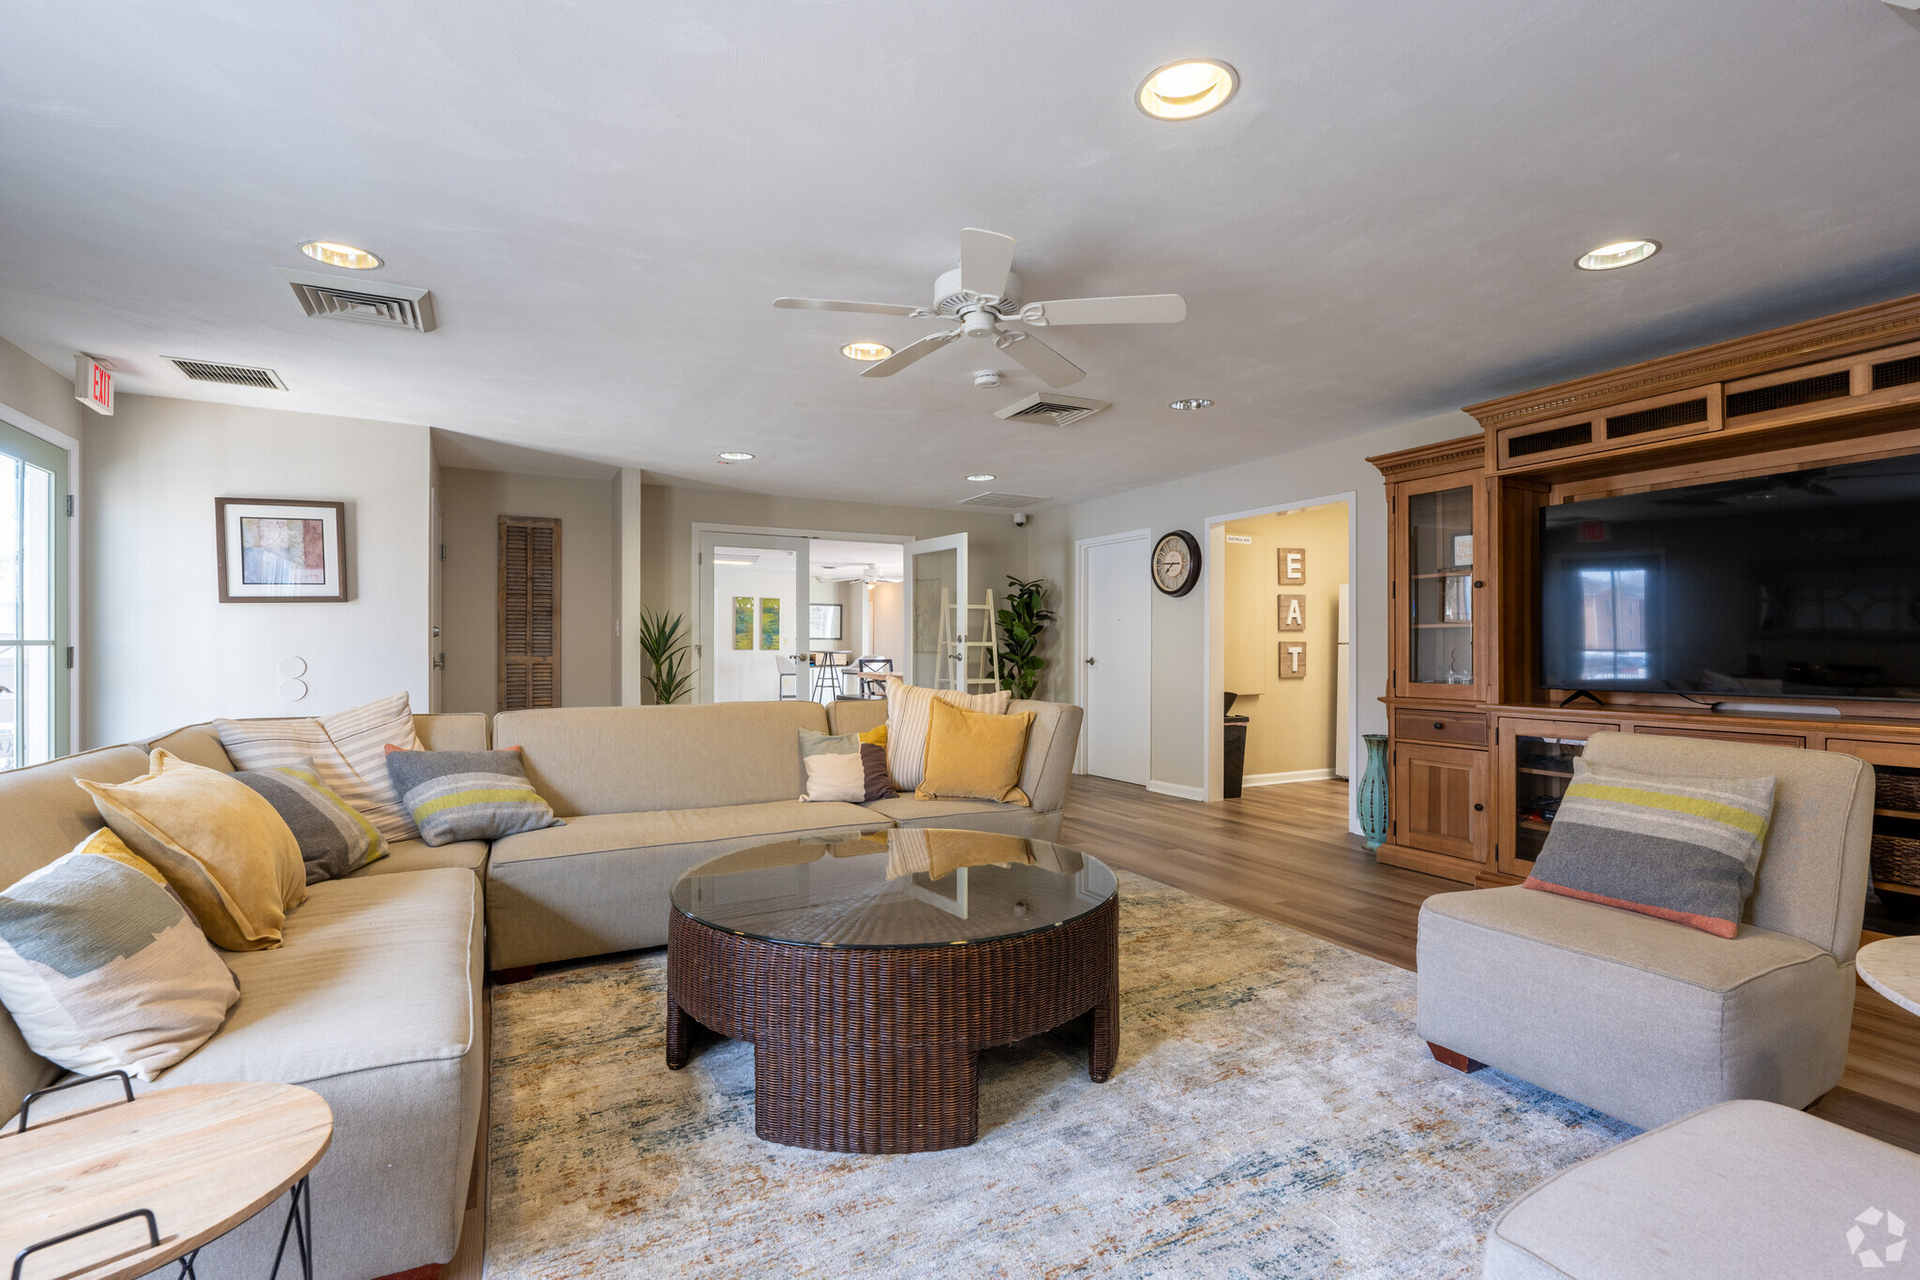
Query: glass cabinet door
1440, 557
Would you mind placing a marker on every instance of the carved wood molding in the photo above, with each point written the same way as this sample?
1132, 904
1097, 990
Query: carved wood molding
1447, 455
1862, 329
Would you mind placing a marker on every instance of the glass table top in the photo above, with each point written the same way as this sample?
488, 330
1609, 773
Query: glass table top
905, 887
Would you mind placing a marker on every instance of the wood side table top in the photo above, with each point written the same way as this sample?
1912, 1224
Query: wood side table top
1891, 966
204, 1158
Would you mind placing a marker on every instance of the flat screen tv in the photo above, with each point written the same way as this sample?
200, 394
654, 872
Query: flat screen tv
1800, 585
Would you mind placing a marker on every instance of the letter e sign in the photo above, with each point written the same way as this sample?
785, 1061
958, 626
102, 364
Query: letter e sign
1293, 613
1293, 566
1293, 660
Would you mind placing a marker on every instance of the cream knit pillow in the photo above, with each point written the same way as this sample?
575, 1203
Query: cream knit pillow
348, 750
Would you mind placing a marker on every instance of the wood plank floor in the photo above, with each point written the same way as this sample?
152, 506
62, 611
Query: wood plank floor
1284, 853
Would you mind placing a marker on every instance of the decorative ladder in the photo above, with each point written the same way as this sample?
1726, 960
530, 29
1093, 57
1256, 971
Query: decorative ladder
975, 655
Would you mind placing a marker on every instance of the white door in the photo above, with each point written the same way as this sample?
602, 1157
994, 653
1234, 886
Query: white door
761, 579
935, 592
1117, 651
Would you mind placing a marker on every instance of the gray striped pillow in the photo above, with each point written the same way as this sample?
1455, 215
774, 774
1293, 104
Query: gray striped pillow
910, 719
348, 749
335, 838
468, 795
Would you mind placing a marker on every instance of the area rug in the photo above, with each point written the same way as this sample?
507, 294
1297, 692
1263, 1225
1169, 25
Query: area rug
1273, 1114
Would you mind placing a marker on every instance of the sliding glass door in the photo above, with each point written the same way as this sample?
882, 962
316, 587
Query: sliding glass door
33, 599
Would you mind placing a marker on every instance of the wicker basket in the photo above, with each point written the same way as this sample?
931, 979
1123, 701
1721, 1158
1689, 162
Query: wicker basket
1896, 859
1897, 791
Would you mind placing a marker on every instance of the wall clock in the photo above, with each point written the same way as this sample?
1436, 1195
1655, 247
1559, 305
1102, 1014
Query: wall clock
1176, 563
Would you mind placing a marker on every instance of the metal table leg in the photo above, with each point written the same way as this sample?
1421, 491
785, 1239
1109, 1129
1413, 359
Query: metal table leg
300, 1223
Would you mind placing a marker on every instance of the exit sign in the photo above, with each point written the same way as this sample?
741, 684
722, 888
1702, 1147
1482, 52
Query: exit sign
93, 384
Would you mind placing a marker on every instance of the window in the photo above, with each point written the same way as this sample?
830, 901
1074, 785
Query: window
33, 564
1613, 622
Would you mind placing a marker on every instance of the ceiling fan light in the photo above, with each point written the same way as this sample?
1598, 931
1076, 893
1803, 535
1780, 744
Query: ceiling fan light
335, 254
1622, 253
981, 478
867, 351
1191, 402
1187, 89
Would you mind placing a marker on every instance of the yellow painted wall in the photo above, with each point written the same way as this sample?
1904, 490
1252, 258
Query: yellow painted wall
1292, 727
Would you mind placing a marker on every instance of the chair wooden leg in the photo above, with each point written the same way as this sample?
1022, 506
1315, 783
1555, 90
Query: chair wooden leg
1448, 1058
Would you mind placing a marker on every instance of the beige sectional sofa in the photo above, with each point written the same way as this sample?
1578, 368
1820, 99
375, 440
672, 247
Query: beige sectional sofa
375, 998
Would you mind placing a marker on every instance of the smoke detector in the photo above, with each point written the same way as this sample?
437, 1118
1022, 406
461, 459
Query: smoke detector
1051, 407
394, 306
986, 377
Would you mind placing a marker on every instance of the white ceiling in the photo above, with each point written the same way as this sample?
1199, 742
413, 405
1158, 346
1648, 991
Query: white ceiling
605, 199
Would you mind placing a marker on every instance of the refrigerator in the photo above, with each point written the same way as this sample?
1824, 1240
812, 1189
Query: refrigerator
1343, 687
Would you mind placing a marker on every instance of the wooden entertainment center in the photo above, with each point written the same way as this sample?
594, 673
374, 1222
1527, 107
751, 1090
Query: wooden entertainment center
1478, 749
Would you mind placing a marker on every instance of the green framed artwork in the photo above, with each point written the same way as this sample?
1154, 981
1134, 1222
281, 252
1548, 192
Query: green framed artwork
743, 622
769, 623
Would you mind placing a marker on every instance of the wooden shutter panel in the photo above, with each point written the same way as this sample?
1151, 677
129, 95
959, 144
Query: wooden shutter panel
529, 612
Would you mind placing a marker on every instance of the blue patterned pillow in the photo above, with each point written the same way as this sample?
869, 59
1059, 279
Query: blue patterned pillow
467, 795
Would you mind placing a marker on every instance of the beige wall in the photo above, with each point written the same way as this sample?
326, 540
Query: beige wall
471, 504
1291, 729
1182, 720
163, 650
41, 393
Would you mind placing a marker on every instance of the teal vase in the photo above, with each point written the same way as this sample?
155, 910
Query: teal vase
1373, 791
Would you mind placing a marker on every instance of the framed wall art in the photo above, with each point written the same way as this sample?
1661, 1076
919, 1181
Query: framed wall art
823, 622
280, 550
743, 622
769, 622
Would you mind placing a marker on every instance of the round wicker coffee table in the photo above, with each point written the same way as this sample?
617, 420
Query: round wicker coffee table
868, 973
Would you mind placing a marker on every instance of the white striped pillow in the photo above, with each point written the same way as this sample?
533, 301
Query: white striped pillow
348, 750
910, 718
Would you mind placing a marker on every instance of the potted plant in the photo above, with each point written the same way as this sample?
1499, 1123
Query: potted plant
663, 638
1021, 624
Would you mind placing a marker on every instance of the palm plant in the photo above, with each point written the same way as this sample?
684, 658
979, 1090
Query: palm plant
663, 639
1021, 623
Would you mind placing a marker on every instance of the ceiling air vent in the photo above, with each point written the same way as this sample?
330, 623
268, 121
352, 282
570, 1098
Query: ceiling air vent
1053, 408
993, 499
397, 306
234, 375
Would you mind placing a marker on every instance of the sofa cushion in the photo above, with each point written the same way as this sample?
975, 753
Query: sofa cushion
602, 882
418, 855
467, 795
1741, 1189
600, 760
348, 749
1640, 1018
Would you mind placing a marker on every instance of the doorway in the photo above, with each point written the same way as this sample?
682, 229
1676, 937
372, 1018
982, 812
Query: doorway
1114, 656
1279, 645
33, 599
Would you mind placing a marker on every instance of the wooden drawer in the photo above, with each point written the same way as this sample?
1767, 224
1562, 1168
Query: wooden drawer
1903, 755
1764, 739
1440, 726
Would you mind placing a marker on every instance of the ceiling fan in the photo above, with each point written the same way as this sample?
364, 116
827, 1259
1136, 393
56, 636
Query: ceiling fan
982, 293
866, 573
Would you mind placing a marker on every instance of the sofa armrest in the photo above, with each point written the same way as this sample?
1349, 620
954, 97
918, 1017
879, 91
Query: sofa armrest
1051, 745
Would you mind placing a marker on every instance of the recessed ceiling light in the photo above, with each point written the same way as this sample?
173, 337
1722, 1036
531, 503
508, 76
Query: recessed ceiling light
982, 478
731, 456
335, 254
1193, 403
1623, 253
1186, 90
868, 351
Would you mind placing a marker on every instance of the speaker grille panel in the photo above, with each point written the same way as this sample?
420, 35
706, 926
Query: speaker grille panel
1828, 386
1549, 440
1896, 373
1683, 414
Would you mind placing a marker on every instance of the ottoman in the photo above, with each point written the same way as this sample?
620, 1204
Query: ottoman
1743, 1189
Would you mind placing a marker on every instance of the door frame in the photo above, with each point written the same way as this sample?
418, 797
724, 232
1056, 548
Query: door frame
1081, 546
1214, 648
706, 609
61, 440
956, 543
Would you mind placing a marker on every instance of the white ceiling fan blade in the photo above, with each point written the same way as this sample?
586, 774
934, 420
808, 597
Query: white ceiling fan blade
1054, 369
1146, 308
827, 304
910, 353
985, 259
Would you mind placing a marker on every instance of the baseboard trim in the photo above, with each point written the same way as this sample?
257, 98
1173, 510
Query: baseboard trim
1176, 789
1276, 779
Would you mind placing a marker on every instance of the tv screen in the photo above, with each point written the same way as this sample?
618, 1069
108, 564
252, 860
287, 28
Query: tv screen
1801, 585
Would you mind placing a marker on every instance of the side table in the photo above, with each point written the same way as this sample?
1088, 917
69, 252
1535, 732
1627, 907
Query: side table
115, 1191
1891, 966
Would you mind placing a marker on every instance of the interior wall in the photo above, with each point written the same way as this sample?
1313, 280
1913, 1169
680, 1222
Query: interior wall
888, 634
1181, 718
749, 675
1291, 726
471, 504
165, 651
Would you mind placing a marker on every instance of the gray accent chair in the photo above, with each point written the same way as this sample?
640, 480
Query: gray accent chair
1648, 1020
1740, 1190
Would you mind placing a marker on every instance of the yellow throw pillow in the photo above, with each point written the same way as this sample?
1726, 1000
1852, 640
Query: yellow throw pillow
876, 736
227, 852
974, 755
